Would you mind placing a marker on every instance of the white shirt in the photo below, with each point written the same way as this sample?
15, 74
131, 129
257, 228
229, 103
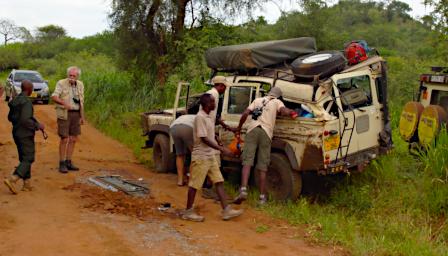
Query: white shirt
268, 116
184, 119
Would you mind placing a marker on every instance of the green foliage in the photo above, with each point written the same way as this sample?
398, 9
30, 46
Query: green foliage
50, 33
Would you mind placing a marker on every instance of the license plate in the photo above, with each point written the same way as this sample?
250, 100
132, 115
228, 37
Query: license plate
33, 95
437, 79
331, 143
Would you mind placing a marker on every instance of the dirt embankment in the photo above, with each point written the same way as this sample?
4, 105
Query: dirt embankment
64, 215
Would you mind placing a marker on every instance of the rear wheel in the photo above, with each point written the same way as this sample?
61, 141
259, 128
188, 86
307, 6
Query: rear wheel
282, 182
161, 156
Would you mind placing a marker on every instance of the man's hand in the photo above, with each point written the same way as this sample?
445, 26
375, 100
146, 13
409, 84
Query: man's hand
226, 151
67, 106
233, 129
81, 121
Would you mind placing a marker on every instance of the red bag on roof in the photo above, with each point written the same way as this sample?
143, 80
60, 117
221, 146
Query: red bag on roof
355, 52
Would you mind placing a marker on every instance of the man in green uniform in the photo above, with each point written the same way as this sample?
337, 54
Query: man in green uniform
24, 127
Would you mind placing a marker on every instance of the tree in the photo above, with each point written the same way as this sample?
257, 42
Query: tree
397, 8
9, 31
25, 34
50, 32
440, 14
150, 31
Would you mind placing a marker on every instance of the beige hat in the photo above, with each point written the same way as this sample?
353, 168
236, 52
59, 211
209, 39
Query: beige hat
275, 92
221, 80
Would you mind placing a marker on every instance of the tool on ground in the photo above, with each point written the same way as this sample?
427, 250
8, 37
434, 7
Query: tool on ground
116, 182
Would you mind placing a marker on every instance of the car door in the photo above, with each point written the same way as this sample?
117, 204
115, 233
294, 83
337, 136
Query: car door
236, 99
360, 110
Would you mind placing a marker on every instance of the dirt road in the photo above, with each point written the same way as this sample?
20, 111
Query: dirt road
64, 216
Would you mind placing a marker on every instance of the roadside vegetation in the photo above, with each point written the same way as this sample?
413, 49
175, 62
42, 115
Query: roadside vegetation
397, 206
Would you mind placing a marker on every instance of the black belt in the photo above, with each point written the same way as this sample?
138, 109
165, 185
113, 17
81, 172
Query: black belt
74, 111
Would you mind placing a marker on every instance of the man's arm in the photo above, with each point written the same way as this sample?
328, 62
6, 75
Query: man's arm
213, 144
243, 118
81, 104
55, 97
284, 111
26, 118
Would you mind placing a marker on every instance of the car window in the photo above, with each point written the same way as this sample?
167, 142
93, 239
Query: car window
240, 98
33, 77
355, 91
264, 87
440, 98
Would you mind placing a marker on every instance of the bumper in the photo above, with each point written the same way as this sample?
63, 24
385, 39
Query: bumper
38, 96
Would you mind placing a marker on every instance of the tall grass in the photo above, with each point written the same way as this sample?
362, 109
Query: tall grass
398, 206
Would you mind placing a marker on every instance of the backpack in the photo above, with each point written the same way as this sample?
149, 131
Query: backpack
356, 52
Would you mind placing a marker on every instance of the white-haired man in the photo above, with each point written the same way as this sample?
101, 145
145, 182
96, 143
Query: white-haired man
69, 96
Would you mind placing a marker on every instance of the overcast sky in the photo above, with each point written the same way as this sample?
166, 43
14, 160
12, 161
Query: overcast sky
87, 17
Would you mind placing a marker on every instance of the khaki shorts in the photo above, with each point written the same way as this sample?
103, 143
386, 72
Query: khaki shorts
257, 139
201, 168
71, 126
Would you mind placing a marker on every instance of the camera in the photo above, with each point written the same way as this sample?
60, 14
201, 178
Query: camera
256, 113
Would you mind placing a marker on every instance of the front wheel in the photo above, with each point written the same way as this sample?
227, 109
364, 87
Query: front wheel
161, 155
282, 182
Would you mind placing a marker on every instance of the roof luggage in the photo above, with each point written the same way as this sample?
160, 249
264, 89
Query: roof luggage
259, 54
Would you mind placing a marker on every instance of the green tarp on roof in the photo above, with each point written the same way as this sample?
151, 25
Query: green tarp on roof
259, 54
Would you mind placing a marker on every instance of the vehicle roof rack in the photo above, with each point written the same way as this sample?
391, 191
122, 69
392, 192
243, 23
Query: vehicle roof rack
439, 69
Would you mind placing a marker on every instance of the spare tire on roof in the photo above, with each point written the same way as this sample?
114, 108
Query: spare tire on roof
322, 64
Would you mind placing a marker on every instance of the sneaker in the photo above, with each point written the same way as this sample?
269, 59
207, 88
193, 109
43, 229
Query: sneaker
70, 166
229, 213
262, 200
27, 186
209, 193
62, 167
192, 216
241, 197
10, 184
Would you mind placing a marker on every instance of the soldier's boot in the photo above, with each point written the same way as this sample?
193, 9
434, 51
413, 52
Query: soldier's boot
62, 167
27, 185
71, 166
10, 183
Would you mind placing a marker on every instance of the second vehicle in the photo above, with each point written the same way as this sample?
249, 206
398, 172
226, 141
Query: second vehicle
41, 91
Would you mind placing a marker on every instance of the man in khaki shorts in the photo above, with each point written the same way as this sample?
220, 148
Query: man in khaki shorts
204, 163
258, 138
69, 96
220, 85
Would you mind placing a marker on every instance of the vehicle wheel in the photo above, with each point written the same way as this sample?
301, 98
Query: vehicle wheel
45, 102
430, 123
409, 120
282, 182
161, 156
322, 64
